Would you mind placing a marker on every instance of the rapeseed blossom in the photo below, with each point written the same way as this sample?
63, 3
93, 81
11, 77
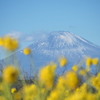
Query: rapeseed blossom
72, 79
1, 41
83, 72
13, 90
9, 43
77, 83
75, 68
10, 74
30, 92
27, 51
89, 62
47, 75
63, 61
95, 61
96, 81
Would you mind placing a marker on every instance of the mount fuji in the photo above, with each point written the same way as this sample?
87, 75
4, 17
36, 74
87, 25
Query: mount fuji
55, 45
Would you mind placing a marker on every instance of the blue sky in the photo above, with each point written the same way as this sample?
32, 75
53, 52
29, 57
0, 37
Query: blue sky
81, 17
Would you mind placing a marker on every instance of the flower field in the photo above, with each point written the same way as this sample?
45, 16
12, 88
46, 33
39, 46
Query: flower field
79, 83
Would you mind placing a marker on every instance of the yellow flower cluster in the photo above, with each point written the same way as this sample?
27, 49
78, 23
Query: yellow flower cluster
47, 75
96, 81
10, 74
75, 84
9, 43
30, 92
82, 93
56, 95
61, 83
72, 80
92, 61
2, 98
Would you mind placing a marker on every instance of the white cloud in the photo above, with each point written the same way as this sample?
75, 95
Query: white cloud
29, 38
21, 36
17, 35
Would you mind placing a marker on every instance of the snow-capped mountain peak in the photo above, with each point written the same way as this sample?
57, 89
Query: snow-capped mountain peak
57, 44
62, 40
64, 37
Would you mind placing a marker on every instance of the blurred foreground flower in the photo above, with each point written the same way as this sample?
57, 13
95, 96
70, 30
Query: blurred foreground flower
88, 62
95, 61
10, 74
63, 61
75, 68
92, 61
30, 92
72, 79
27, 51
47, 75
96, 81
83, 72
13, 90
77, 83
1, 41
55, 95
9, 43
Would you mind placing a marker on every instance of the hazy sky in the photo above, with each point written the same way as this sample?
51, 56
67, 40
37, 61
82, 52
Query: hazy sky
81, 17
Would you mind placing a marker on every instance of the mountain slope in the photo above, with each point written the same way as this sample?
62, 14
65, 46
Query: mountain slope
65, 44
55, 45
63, 41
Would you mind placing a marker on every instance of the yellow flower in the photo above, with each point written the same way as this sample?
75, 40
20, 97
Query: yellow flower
56, 95
63, 61
13, 90
31, 89
10, 74
27, 51
1, 41
84, 87
89, 62
67, 93
18, 95
1, 86
83, 72
43, 90
98, 74
61, 83
2, 98
77, 96
72, 80
95, 61
10, 43
30, 92
75, 68
96, 81
47, 75
92, 96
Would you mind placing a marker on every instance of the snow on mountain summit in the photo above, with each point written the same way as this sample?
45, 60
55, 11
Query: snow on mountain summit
57, 44
67, 37
61, 42
62, 37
